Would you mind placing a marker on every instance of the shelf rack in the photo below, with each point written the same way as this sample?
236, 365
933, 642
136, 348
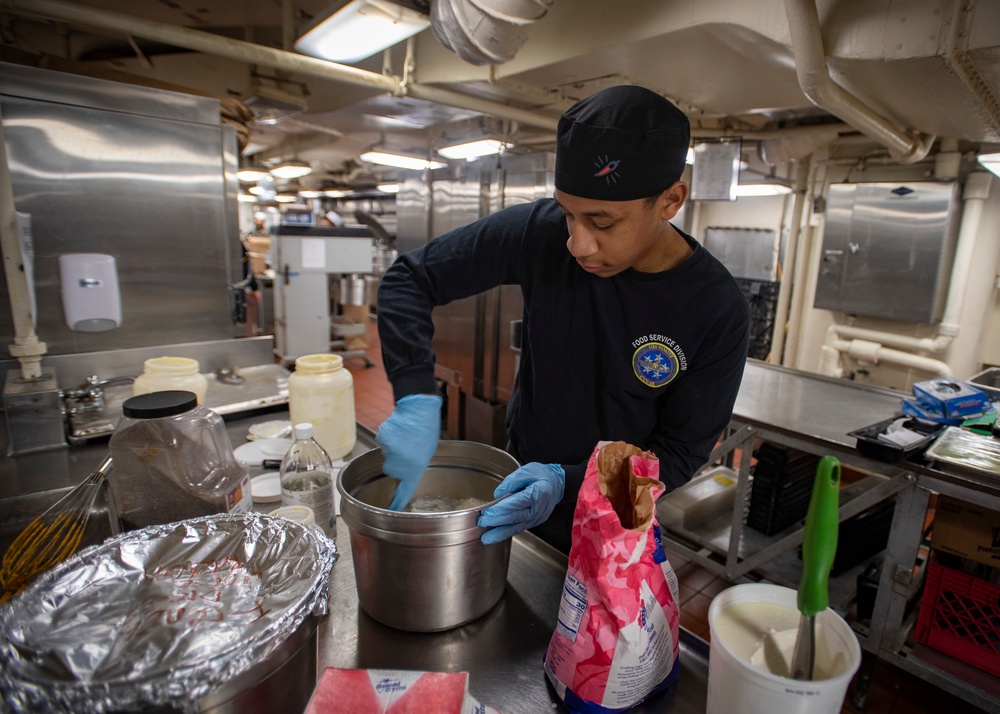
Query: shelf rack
814, 414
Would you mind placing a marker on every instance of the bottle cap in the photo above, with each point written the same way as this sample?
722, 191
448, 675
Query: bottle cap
304, 430
154, 405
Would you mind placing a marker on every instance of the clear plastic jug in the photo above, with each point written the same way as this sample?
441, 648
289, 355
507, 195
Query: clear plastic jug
173, 460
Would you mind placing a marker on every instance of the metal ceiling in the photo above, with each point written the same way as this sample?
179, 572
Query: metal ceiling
925, 67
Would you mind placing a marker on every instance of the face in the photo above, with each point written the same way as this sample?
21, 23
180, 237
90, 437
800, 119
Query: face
607, 237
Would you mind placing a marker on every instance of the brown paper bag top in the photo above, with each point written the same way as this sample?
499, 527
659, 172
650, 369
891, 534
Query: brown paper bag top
630, 495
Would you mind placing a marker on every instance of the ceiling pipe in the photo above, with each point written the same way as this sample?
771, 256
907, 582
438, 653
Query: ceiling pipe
907, 147
207, 43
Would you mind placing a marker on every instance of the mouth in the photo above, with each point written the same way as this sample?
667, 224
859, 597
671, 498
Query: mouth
591, 268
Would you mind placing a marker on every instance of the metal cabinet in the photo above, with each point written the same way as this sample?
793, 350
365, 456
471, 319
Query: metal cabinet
887, 249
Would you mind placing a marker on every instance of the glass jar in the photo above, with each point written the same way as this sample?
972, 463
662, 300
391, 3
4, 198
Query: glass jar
173, 460
171, 373
321, 392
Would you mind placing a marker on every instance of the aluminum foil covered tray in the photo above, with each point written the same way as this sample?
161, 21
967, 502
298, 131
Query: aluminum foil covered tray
161, 616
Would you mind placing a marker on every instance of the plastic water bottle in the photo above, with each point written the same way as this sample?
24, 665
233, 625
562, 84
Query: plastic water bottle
307, 478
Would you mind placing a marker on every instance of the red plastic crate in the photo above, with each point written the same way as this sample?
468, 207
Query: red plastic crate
960, 616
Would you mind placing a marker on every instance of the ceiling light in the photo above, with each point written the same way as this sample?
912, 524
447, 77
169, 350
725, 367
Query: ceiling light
388, 187
360, 29
399, 161
310, 194
286, 196
249, 171
256, 190
247, 197
991, 162
472, 149
761, 189
335, 193
290, 169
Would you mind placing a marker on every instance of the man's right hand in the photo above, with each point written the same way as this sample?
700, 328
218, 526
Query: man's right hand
409, 438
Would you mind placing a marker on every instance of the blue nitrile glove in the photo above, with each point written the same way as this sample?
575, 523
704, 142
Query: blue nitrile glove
535, 491
409, 438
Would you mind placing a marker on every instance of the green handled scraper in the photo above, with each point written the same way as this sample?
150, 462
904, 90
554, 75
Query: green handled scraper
819, 546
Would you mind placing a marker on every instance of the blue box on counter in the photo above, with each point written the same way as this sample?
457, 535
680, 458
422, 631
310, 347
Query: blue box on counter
950, 398
910, 407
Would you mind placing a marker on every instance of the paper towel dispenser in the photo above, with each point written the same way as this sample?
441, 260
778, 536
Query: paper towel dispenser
90, 296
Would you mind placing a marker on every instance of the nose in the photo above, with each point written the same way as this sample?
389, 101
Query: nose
580, 244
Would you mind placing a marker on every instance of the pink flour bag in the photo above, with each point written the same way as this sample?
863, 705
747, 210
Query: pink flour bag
616, 640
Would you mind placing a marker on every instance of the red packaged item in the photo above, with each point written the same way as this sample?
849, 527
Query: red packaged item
616, 641
390, 691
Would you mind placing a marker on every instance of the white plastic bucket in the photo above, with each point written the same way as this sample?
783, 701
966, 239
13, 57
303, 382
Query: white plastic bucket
735, 686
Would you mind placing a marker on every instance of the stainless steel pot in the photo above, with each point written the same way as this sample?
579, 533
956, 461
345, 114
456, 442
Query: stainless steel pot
426, 572
353, 290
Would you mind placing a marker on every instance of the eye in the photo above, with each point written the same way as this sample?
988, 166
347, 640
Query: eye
602, 226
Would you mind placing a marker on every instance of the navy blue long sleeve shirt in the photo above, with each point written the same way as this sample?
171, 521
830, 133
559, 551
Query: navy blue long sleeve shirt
653, 359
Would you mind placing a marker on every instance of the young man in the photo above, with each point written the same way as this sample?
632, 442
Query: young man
632, 331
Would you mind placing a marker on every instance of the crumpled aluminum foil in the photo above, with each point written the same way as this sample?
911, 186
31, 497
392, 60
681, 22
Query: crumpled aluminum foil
163, 615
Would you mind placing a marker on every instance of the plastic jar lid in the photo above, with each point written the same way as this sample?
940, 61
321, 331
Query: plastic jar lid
301, 514
153, 405
319, 363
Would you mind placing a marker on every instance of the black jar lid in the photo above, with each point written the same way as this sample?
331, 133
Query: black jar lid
153, 405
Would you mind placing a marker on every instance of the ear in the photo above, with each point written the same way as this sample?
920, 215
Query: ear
672, 200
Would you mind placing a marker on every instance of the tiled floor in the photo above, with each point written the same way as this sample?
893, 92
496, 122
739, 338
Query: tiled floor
891, 691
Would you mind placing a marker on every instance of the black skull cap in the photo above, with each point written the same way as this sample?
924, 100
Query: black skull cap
621, 144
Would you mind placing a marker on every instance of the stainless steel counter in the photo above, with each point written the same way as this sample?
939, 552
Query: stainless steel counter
502, 651
811, 405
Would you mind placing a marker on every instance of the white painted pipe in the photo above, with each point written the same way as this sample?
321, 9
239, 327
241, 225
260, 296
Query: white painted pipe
26, 348
814, 78
876, 354
791, 254
207, 43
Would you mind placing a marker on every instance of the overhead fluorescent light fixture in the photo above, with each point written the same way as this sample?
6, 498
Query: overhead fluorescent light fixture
291, 169
246, 198
286, 197
360, 29
388, 187
990, 162
473, 149
335, 193
400, 161
761, 189
310, 193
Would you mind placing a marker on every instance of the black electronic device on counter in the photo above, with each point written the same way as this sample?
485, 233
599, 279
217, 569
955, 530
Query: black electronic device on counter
869, 444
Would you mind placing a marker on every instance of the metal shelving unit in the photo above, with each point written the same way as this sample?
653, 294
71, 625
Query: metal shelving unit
814, 414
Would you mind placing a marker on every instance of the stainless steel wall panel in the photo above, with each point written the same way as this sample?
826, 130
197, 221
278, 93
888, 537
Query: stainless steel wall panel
750, 253
149, 189
887, 249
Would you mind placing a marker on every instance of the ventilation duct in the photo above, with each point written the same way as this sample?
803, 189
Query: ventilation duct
485, 31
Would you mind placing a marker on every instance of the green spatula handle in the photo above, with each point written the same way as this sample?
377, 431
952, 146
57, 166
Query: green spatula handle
819, 543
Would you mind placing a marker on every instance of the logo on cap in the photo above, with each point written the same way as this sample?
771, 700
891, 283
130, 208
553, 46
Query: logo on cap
608, 169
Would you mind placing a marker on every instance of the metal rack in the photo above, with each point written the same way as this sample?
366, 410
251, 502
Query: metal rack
814, 414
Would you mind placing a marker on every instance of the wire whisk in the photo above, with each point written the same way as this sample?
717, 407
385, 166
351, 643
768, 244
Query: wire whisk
53, 536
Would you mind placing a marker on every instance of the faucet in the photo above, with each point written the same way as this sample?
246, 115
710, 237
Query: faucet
90, 394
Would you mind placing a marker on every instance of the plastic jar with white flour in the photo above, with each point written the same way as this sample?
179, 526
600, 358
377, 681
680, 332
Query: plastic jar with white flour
321, 392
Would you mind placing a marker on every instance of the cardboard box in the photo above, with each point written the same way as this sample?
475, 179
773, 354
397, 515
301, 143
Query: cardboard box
357, 314
968, 530
950, 398
387, 691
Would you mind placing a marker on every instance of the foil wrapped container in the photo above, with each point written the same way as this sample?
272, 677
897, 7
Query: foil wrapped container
160, 617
